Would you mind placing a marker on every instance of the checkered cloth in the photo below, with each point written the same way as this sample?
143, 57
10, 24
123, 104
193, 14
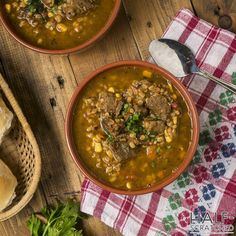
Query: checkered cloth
208, 187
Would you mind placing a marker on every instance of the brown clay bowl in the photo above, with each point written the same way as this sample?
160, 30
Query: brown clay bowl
192, 111
5, 22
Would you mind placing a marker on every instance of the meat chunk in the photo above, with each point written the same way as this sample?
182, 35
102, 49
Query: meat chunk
159, 106
109, 126
107, 102
140, 109
121, 151
154, 126
69, 11
119, 106
83, 6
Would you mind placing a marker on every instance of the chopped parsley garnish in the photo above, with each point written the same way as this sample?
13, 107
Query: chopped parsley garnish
110, 139
126, 107
133, 124
154, 164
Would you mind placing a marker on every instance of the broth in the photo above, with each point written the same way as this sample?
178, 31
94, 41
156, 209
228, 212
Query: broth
155, 158
50, 34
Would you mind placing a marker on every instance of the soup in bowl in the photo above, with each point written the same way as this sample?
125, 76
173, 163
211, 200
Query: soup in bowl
131, 127
58, 26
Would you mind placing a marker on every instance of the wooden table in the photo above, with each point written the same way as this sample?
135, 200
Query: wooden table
44, 84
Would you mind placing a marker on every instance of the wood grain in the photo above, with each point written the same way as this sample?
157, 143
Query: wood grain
118, 44
44, 84
219, 12
151, 22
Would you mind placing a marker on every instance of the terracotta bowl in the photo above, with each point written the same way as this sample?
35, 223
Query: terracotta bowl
192, 111
81, 47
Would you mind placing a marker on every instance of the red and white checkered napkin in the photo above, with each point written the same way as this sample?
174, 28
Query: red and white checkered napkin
208, 187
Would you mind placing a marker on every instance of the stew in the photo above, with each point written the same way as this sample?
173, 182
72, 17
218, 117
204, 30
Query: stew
131, 127
58, 24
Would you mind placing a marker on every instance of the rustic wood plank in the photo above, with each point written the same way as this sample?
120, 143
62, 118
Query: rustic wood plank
33, 78
221, 13
149, 19
34, 81
94, 227
118, 44
43, 98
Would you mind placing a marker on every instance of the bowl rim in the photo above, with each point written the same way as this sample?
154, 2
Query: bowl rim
9, 28
187, 98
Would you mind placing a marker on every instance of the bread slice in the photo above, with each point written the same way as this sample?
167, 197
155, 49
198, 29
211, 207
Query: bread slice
6, 118
8, 184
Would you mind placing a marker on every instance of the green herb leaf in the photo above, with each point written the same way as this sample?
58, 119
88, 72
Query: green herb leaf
110, 139
154, 164
59, 2
158, 150
126, 107
136, 116
35, 226
60, 220
133, 124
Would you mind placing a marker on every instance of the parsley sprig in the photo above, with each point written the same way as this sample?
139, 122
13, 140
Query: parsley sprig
133, 124
58, 221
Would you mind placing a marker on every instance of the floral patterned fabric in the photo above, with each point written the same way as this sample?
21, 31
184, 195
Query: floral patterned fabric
195, 202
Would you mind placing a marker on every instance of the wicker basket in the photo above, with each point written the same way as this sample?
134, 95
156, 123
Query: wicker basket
20, 152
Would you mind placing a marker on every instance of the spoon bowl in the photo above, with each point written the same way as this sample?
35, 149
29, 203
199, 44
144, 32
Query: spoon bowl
178, 59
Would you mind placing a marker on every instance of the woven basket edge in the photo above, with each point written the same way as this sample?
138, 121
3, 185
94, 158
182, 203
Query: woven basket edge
33, 187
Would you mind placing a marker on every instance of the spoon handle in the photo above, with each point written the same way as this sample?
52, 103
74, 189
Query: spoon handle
226, 85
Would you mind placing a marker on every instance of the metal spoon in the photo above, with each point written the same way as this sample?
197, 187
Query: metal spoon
180, 61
